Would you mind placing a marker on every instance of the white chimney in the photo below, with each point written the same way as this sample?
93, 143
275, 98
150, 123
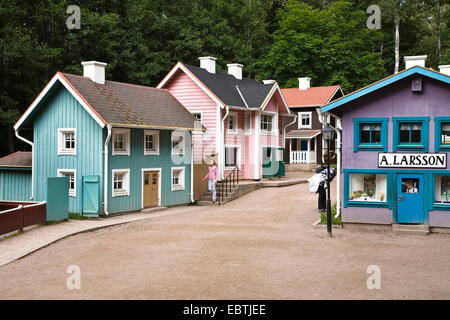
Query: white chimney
304, 83
411, 61
208, 63
94, 70
445, 69
268, 81
235, 69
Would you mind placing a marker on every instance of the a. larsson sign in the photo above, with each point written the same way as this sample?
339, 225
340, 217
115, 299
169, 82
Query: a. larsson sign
412, 160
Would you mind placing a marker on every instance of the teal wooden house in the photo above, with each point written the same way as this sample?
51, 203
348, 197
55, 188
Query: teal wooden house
124, 147
15, 176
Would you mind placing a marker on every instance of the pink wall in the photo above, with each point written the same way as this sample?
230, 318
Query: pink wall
196, 100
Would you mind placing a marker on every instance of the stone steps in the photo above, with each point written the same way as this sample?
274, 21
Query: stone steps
419, 229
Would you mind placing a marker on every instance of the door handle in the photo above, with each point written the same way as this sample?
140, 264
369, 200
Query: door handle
400, 198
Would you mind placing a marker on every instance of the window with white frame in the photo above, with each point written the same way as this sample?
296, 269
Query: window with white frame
232, 121
178, 142
247, 122
151, 142
367, 187
232, 155
178, 178
266, 122
197, 115
442, 190
304, 120
120, 182
121, 142
72, 175
67, 141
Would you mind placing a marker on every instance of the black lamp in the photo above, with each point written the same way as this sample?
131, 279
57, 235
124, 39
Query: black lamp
328, 134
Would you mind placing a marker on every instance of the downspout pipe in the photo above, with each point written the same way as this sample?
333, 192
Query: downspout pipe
338, 130
16, 130
284, 130
222, 142
205, 134
105, 174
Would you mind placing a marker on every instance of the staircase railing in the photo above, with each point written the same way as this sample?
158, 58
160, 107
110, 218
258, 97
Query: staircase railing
228, 184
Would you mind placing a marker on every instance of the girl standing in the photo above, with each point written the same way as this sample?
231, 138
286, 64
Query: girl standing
212, 176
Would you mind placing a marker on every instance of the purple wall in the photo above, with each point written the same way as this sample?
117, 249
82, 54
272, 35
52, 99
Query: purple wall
395, 100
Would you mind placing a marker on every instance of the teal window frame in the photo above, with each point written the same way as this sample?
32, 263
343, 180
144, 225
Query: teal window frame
358, 146
389, 190
437, 134
434, 205
424, 135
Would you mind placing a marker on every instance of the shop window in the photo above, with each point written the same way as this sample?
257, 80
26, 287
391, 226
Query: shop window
151, 142
231, 157
121, 142
442, 135
266, 123
370, 134
442, 190
304, 120
178, 142
410, 134
367, 188
410, 185
120, 182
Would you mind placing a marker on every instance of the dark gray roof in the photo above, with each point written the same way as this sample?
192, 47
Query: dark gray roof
129, 104
223, 85
17, 159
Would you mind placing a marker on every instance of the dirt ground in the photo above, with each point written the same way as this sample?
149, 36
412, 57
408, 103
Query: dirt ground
261, 246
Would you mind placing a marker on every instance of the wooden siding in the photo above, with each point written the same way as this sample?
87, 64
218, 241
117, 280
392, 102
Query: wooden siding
137, 160
196, 100
62, 110
15, 185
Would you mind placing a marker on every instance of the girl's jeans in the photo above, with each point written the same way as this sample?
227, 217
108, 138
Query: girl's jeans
212, 188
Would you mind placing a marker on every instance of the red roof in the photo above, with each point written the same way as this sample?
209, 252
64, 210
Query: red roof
314, 96
17, 159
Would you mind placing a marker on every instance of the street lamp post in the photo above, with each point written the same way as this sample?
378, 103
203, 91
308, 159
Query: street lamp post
328, 134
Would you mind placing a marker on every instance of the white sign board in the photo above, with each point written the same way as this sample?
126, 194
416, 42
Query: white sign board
412, 160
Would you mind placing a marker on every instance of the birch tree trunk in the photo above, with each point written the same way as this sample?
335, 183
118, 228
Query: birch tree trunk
397, 45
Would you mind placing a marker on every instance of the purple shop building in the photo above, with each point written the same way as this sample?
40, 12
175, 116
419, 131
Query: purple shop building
396, 149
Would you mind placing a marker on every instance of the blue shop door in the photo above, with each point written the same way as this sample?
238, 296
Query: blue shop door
410, 194
91, 196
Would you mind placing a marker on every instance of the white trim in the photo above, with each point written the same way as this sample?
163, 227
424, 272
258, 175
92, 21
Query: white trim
125, 191
60, 172
257, 145
275, 88
299, 123
248, 130
159, 184
127, 134
182, 178
238, 156
235, 116
268, 132
64, 82
61, 150
178, 66
179, 134
242, 97
155, 134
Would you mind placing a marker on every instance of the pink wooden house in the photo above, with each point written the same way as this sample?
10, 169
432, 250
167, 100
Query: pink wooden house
243, 117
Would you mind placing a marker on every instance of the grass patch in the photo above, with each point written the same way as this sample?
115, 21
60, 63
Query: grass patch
323, 217
12, 235
76, 216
